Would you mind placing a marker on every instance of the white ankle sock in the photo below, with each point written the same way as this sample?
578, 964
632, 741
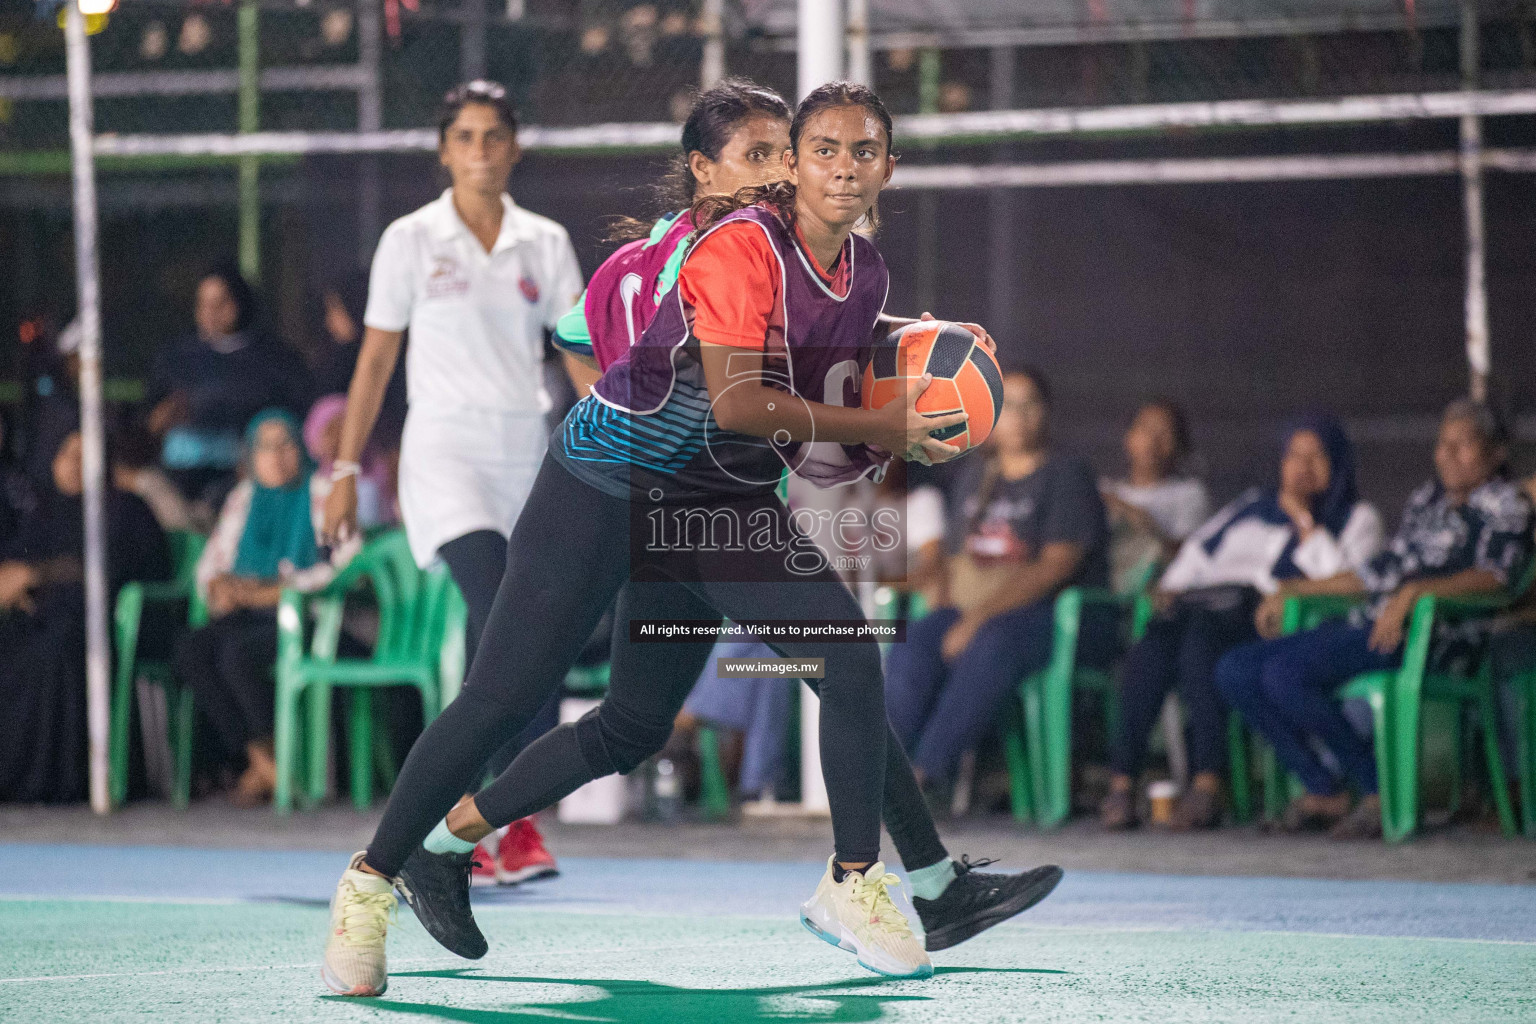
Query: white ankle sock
931, 881
440, 840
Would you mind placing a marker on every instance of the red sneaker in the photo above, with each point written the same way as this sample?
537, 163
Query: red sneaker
522, 857
484, 871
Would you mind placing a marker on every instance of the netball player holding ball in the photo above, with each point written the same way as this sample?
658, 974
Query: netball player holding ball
735, 137
750, 358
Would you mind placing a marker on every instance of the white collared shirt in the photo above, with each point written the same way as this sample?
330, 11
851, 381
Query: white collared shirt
476, 318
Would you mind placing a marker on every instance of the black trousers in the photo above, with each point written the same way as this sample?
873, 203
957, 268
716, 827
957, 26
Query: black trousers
1180, 652
228, 664
476, 561
571, 554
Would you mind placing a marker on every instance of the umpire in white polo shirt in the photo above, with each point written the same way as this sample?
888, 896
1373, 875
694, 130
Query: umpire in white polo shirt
477, 280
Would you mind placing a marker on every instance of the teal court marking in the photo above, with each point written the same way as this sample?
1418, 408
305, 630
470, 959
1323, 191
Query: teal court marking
135, 934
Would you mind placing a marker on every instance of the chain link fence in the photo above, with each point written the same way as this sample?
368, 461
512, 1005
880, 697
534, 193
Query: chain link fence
1244, 301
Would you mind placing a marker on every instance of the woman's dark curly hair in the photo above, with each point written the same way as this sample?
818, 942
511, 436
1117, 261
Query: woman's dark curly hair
708, 210
715, 116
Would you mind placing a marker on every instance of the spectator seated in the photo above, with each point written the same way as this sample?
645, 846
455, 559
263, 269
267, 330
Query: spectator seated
1465, 536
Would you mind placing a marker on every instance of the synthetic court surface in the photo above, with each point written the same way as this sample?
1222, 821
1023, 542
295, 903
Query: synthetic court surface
175, 934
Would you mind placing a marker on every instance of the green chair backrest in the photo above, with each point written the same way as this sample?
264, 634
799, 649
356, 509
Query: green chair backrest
397, 585
414, 606
186, 548
438, 592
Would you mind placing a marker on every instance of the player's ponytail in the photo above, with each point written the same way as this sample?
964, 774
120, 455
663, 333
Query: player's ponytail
708, 210
715, 116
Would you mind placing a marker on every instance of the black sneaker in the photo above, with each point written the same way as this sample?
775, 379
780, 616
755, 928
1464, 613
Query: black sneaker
976, 900
436, 886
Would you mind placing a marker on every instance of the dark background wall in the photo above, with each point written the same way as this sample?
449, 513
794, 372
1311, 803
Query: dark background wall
1246, 303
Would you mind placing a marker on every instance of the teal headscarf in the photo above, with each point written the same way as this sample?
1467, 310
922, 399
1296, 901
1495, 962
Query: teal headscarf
279, 527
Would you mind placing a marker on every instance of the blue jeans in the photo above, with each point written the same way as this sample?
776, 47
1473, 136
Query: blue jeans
1284, 690
939, 710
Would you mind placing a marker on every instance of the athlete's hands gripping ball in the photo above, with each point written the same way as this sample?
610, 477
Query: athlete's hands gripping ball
963, 378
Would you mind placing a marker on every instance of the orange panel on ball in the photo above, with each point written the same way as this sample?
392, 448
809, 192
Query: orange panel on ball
965, 377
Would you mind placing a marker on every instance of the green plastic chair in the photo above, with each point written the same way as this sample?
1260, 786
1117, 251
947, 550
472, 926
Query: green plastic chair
1015, 754
1525, 690
420, 644
186, 547
1046, 700
1397, 698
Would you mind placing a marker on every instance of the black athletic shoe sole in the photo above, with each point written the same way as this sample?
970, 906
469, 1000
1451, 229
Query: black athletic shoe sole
436, 887
1040, 882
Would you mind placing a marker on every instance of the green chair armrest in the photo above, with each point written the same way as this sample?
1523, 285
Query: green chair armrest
127, 614
325, 605
1069, 612
130, 603
165, 592
1472, 606
128, 610
1305, 612
1419, 634
345, 579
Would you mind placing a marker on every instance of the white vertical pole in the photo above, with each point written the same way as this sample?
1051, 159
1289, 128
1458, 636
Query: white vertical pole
820, 43
1003, 269
1479, 356
860, 69
712, 21
370, 118
88, 287
820, 57
472, 41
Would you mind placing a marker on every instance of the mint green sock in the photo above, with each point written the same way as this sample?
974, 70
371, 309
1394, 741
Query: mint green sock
931, 881
440, 840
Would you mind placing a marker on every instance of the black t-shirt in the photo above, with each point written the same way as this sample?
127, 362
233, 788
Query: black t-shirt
226, 389
1057, 503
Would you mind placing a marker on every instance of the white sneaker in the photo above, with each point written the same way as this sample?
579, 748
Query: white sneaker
360, 915
857, 914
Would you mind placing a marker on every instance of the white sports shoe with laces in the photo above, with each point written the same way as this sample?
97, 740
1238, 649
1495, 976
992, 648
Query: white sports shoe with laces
857, 914
361, 912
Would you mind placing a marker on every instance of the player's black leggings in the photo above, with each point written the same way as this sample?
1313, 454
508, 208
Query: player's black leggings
570, 554
476, 562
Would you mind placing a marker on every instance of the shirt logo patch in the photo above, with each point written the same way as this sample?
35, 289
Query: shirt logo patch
529, 287
446, 278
